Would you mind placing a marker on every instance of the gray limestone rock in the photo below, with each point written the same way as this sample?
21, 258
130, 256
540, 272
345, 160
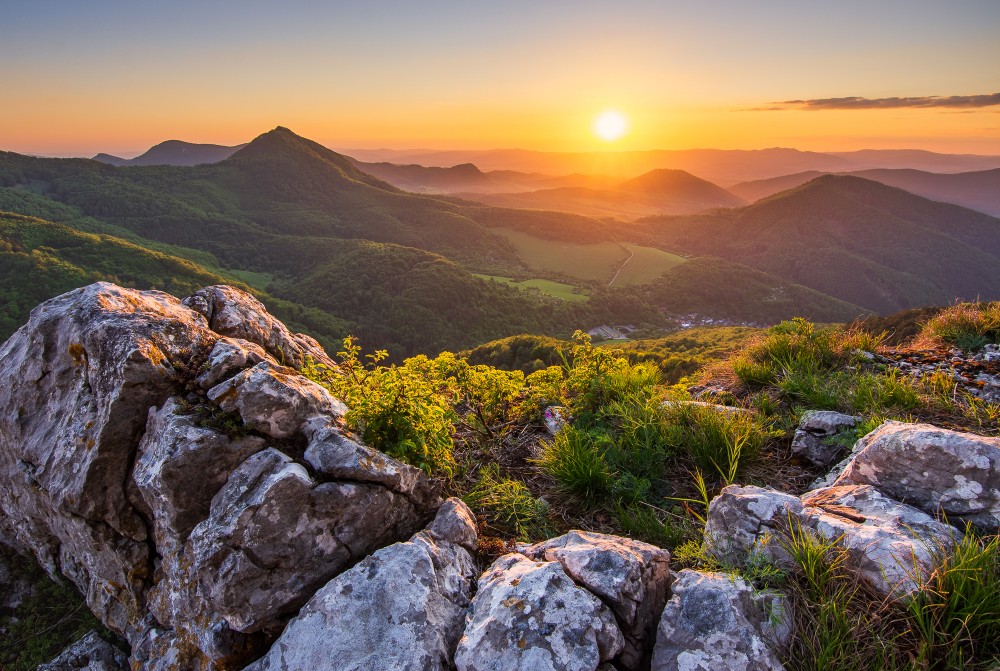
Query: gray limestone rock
530, 615
631, 577
227, 358
237, 314
277, 401
890, 544
181, 466
746, 520
76, 383
90, 653
813, 438
717, 622
934, 469
335, 455
402, 608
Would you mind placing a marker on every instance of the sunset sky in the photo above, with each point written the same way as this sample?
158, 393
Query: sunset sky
79, 78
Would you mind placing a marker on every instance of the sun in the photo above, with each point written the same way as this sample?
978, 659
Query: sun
610, 125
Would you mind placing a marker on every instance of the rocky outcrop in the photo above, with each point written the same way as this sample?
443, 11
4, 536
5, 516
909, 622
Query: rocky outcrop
530, 616
890, 544
234, 313
76, 384
629, 576
90, 653
157, 457
401, 608
816, 437
717, 622
936, 470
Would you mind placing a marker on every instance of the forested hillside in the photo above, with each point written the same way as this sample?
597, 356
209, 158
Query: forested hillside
335, 251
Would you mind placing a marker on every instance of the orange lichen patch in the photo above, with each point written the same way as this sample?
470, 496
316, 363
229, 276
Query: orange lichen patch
77, 353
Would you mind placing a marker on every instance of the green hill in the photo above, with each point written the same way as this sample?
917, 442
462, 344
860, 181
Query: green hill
866, 243
718, 288
337, 251
40, 259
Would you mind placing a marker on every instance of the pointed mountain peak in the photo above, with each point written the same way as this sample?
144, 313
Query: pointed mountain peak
281, 152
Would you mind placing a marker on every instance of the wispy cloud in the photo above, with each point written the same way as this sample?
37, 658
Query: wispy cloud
858, 103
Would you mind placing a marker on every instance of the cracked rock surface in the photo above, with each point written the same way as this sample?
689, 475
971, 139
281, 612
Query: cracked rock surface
154, 455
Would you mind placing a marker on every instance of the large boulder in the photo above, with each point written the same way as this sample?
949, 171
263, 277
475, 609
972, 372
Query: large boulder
274, 536
402, 608
76, 383
177, 450
631, 577
717, 622
750, 520
890, 544
531, 616
937, 470
161, 466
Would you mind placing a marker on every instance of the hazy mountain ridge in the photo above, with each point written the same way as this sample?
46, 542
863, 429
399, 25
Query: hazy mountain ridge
978, 190
175, 152
324, 234
858, 240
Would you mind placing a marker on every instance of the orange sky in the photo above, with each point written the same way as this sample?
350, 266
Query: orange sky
116, 77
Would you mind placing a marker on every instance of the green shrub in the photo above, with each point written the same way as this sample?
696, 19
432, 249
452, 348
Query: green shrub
575, 459
840, 624
509, 505
405, 411
883, 393
718, 441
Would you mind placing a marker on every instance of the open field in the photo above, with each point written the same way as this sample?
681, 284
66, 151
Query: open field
592, 261
566, 292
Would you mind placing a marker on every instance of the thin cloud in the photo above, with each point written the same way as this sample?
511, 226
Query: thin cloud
858, 103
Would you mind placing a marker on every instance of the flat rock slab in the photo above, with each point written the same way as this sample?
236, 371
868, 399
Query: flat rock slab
934, 469
890, 544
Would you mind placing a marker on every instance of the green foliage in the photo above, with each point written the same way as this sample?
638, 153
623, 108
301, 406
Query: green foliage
968, 326
840, 624
654, 525
957, 613
575, 460
509, 506
864, 243
53, 616
721, 442
401, 410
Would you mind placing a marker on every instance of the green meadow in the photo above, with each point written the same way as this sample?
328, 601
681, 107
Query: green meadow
595, 261
566, 292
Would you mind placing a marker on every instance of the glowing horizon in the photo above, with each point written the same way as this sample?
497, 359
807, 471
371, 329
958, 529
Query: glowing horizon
99, 78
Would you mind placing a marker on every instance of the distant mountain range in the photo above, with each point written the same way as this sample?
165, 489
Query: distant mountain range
855, 239
342, 251
976, 190
175, 152
656, 192
720, 166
